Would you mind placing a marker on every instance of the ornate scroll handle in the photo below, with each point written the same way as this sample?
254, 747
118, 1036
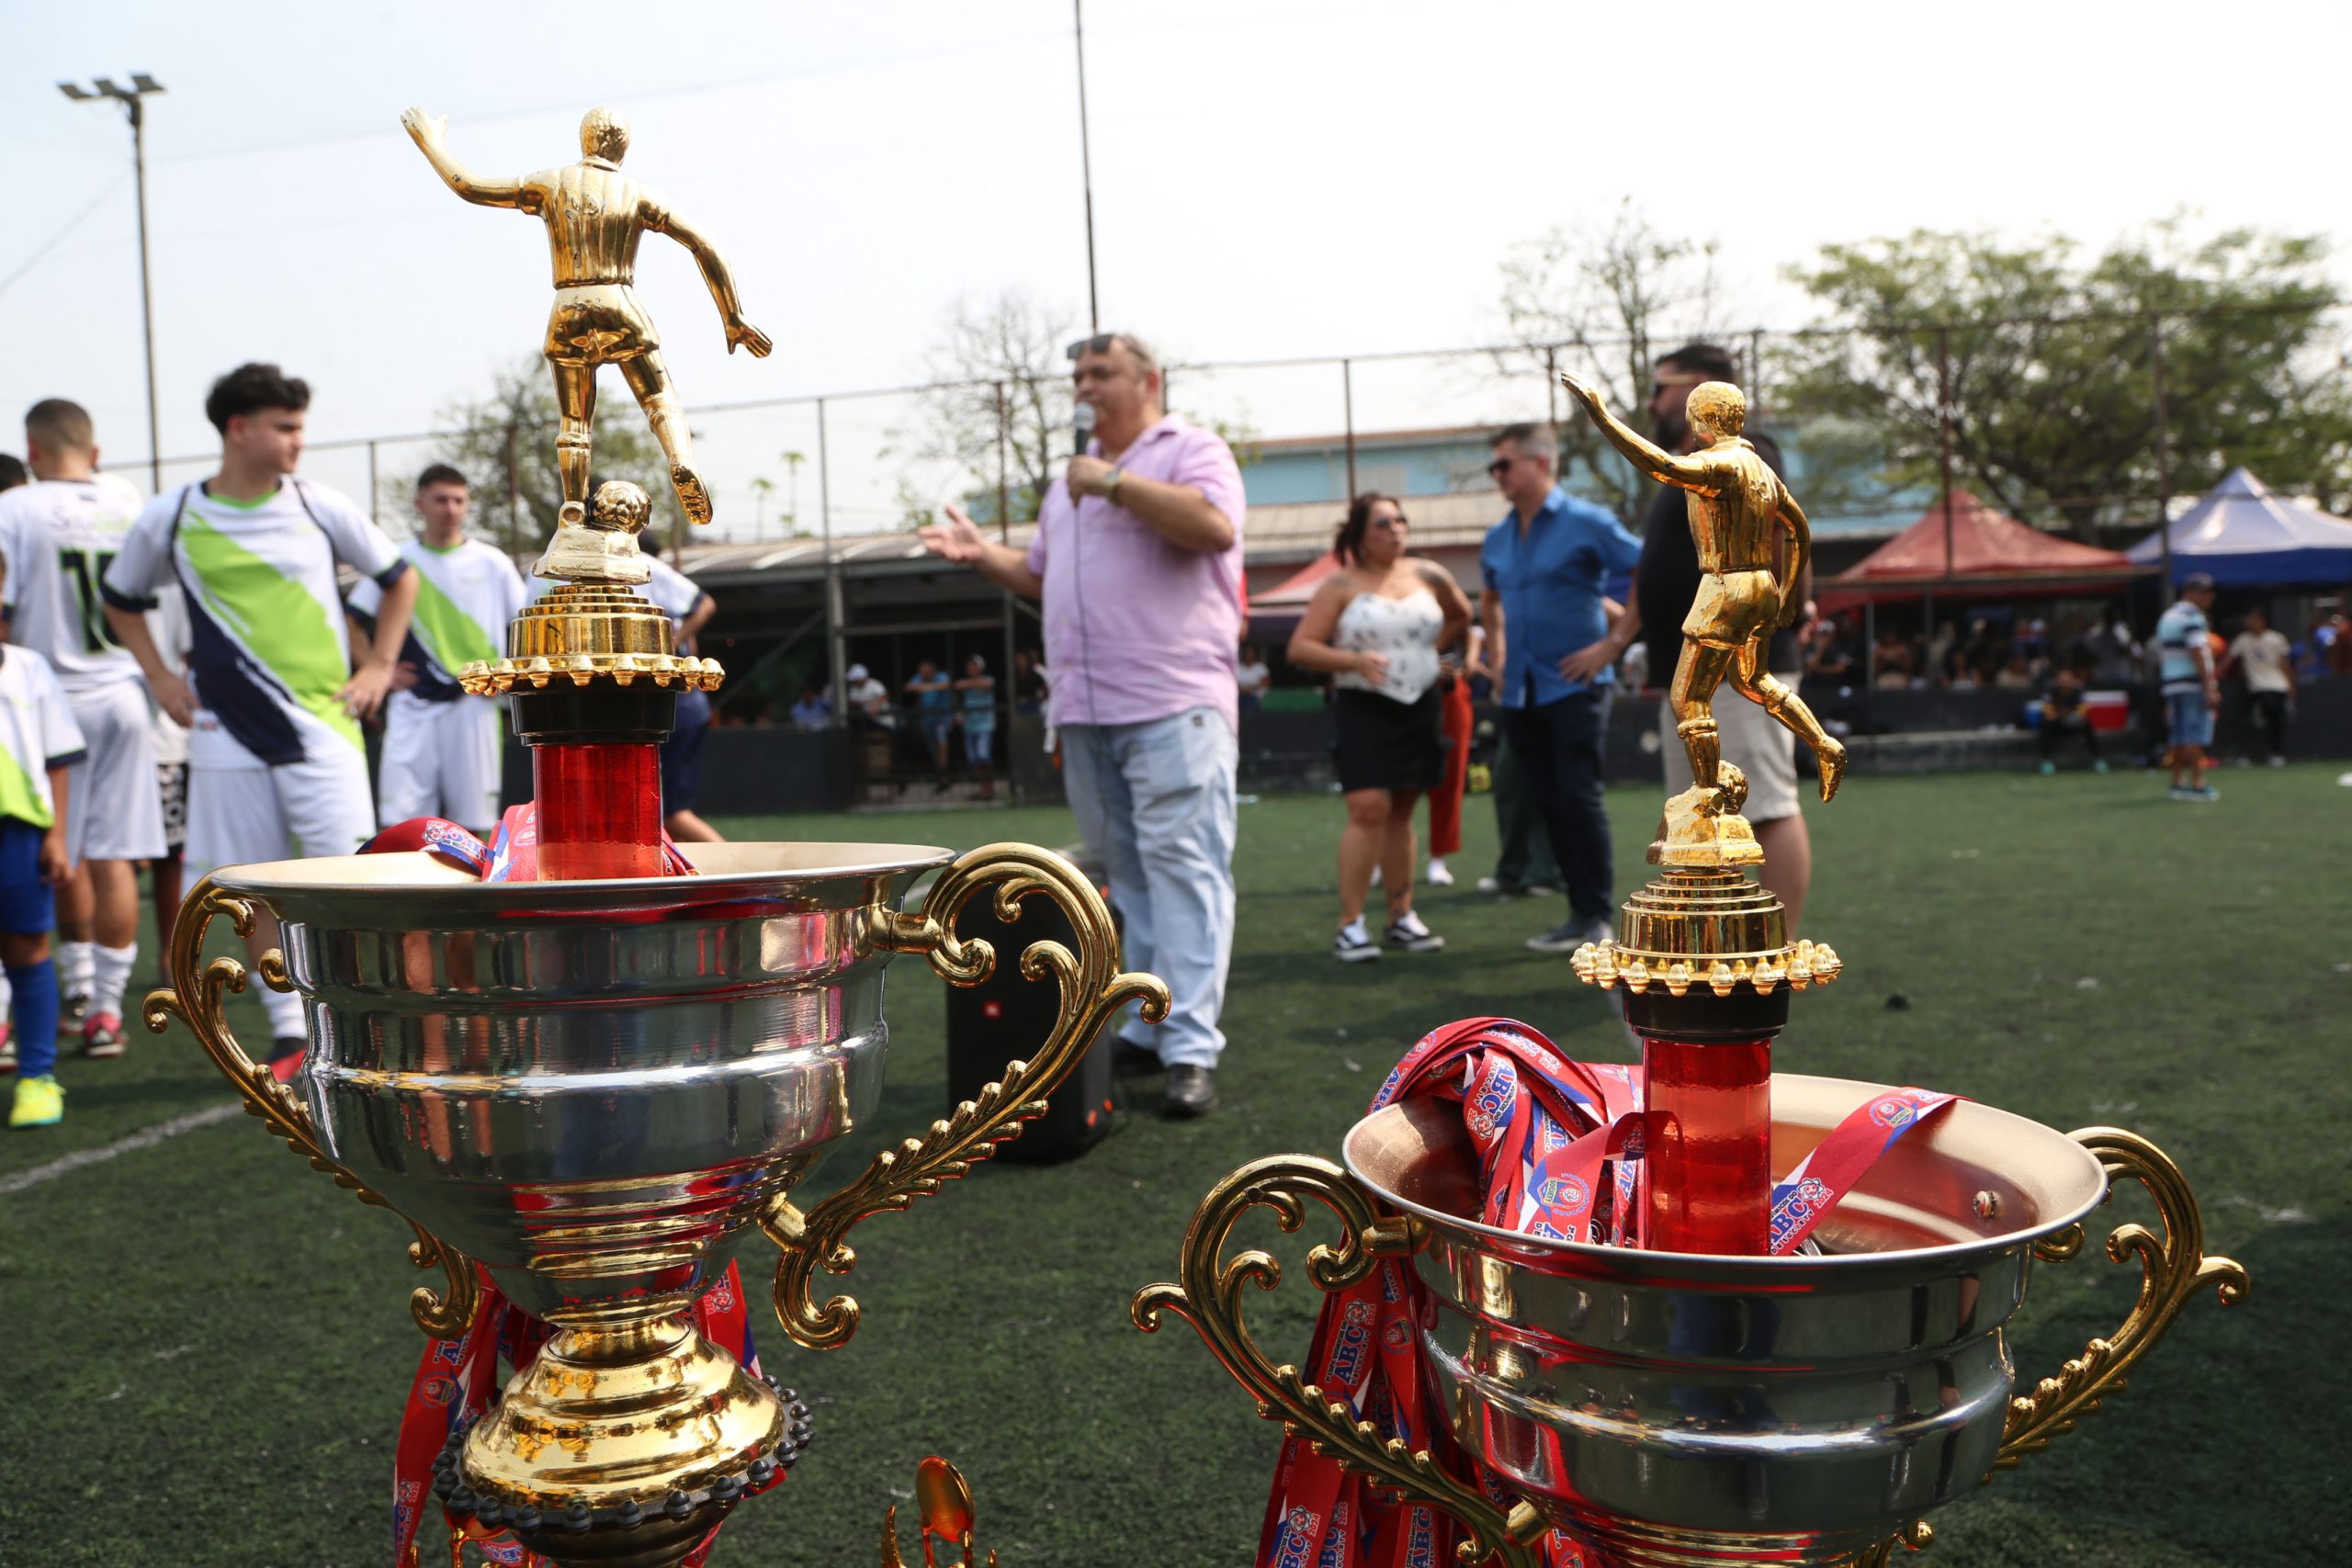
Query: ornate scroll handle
2174, 1269
1092, 988
194, 997
1210, 1300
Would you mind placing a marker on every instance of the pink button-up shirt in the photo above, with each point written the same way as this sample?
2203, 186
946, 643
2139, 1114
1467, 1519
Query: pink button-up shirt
1138, 628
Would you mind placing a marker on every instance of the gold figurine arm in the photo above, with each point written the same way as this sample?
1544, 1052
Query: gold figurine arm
194, 997
1091, 989
741, 334
428, 131
1209, 1298
1659, 464
2174, 1269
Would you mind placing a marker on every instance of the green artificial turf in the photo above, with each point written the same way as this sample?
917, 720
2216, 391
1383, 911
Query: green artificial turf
211, 1344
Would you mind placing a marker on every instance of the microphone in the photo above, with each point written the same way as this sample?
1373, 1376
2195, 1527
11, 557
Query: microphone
1082, 424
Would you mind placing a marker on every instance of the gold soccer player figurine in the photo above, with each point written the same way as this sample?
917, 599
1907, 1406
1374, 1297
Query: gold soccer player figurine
1735, 503
594, 216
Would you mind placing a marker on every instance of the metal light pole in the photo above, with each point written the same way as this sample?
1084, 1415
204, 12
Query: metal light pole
141, 85
1086, 170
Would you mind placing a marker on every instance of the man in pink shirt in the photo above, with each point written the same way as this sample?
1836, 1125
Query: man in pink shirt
1137, 558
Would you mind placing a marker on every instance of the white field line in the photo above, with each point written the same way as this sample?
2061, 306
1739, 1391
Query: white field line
146, 1137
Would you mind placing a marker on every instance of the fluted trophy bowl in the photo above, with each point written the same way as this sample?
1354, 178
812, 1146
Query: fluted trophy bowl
593, 1089
596, 1091
1677, 1409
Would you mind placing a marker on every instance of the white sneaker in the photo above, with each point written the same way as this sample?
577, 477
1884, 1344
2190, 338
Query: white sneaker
1542, 890
1489, 885
1407, 934
1353, 944
1439, 874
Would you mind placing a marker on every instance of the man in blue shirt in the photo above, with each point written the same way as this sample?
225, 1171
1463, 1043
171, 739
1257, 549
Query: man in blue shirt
1543, 567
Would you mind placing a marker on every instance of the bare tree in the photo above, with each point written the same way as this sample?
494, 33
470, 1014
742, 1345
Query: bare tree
1012, 341
1605, 302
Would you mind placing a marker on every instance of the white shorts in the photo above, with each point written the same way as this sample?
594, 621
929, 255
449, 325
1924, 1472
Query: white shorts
113, 809
242, 810
440, 760
1753, 740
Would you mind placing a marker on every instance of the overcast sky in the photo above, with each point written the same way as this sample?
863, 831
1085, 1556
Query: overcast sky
1272, 178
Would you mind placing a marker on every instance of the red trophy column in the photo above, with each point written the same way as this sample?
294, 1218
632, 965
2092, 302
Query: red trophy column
600, 810
1709, 1152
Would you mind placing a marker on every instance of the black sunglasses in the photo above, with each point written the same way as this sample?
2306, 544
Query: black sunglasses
1098, 343
1500, 466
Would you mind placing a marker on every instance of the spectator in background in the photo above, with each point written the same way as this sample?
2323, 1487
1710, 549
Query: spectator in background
1523, 853
689, 609
1251, 677
1030, 687
1828, 658
869, 700
2065, 713
1893, 663
12, 472
1375, 627
1459, 717
1665, 583
1546, 567
977, 691
929, 689
2190, 687
1137, 558
2017, 675
2263, 657
814, 710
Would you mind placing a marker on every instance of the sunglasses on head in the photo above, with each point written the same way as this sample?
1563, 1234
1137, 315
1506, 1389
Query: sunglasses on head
1098, 343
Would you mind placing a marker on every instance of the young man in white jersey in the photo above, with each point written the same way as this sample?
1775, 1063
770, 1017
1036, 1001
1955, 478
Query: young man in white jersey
57, 536
277, 767
441, 747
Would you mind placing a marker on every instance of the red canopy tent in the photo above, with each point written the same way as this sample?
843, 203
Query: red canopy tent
1289, 596
1988, 555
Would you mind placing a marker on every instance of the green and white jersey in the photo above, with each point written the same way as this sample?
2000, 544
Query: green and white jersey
57, 536
465, 596
269, 649
36, 733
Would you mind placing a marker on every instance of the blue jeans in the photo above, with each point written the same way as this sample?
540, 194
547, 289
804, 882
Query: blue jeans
1156, 802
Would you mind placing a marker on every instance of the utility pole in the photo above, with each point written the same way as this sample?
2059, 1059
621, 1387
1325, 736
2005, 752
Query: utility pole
141, 85
1086, 169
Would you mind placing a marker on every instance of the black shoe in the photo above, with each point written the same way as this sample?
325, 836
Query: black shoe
1129, 1061
1348, 947
1191, 1091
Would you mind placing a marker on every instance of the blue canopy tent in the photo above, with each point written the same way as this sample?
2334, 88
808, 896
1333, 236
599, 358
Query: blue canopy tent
2242, 536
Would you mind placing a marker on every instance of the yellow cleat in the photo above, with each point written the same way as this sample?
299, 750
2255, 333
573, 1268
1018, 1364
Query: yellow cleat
40, 1102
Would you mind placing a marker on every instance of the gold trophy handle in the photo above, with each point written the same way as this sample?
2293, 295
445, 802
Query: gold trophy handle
194, 997
1092, 989
1209, 1298
2174, 1269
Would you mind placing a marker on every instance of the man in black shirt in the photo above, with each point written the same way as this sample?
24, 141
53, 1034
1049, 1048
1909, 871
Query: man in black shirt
1665, 582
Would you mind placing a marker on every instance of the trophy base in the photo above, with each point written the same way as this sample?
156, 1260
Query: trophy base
624, 1445
1711, 927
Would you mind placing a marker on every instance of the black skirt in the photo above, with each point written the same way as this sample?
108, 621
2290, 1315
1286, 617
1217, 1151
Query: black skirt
1380, 743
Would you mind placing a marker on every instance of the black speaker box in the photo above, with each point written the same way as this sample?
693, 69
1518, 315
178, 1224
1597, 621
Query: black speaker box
1006, 1018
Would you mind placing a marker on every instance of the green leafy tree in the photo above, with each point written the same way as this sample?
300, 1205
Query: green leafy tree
1605, 302
518, 413
2045, 361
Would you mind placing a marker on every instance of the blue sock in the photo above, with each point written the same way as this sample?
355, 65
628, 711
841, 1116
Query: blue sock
35, 1012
